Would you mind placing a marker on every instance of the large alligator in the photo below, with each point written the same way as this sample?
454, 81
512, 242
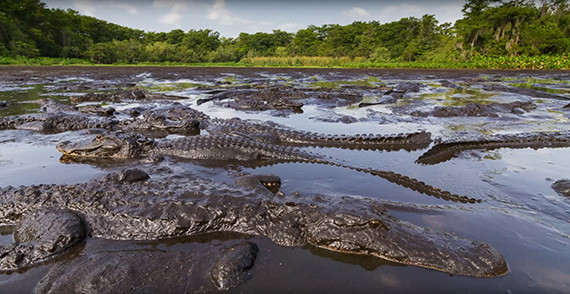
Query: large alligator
137, 267
283, 98
478, 110
270, 132
50, 219
445, 151
222, 148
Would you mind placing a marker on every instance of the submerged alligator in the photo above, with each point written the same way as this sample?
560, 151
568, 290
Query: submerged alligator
201, 268
223, 148
50, 219
445, 151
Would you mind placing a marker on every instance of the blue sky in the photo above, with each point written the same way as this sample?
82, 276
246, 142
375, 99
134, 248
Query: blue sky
230, 17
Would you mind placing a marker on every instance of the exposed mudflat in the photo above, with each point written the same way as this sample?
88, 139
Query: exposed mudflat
523, 212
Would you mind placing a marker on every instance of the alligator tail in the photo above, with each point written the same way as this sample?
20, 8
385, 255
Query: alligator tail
407, 141
400, 180
445, 151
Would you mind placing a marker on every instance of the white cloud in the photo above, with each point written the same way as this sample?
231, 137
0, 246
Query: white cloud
356, 12
176, 7
131, 9
84, 7
291, 27
172, 18
221, 14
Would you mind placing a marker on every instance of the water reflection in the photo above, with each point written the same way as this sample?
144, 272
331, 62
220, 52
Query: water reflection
521, 215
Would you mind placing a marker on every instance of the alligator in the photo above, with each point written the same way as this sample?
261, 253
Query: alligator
270, 132
282, 98
445, 151
478, 110
523, 91
57, 117
448, 84
562, 187
181, 119
125, 95
136, 267
51, 219
273, 98
121, 145
56, 122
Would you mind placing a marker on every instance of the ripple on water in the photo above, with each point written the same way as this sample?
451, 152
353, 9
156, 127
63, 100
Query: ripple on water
520, 215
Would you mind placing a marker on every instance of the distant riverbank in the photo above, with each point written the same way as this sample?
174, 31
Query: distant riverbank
542, 62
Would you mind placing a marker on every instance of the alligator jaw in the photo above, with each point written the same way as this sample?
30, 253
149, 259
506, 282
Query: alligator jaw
94, 148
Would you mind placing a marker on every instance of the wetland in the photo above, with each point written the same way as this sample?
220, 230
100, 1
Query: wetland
472, 165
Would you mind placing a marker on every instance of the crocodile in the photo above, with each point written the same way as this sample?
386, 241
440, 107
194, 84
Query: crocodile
122, 145
169, 203
445, 151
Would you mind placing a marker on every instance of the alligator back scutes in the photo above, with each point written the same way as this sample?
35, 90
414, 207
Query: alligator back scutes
447, 150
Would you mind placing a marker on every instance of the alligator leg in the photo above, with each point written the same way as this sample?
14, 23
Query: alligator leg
41, 235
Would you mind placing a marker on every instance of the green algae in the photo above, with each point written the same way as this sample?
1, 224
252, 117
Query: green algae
369, 81
458, 97
26, 100
167, 87
493, 155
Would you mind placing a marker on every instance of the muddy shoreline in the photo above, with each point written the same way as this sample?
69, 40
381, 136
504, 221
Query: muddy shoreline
15, 73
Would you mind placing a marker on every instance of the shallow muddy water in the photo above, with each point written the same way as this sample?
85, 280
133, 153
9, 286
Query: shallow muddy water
520, 214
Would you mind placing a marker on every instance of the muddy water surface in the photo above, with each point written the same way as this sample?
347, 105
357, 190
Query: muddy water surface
520, 214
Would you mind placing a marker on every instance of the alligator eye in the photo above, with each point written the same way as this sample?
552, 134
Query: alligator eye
141, 140
374, 223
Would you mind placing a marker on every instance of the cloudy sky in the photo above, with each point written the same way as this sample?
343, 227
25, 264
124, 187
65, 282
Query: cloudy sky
230, 17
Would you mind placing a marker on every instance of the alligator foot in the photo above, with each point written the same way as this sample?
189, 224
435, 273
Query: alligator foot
41, 235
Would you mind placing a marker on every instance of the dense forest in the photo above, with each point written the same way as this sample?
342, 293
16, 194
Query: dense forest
489, 28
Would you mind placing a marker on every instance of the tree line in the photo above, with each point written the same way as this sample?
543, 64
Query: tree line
489, 28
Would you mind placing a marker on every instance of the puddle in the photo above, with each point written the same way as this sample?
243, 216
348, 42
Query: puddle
520, 214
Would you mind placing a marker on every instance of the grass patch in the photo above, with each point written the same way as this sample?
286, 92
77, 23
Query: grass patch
542, 62
167, 87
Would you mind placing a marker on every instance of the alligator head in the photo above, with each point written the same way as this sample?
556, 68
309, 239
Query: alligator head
113, 146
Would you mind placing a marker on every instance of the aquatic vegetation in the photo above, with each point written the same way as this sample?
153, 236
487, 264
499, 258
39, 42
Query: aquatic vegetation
458, 97
166, 87
369, 81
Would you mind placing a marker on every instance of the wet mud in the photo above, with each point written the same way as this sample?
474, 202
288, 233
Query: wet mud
495, 164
